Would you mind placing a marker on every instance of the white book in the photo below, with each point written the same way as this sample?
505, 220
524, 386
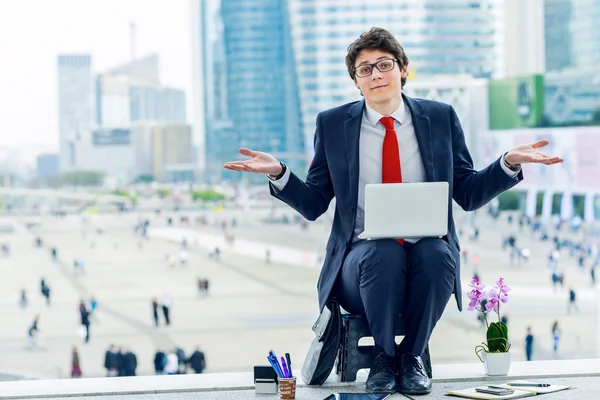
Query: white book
518, 391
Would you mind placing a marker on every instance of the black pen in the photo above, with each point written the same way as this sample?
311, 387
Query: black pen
529, 384
289, 362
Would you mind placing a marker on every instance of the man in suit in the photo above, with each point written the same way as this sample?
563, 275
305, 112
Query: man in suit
389, 138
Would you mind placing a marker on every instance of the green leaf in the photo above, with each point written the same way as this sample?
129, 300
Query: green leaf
497, 337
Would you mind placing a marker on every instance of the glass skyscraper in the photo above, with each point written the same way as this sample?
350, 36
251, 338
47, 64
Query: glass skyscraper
249, 78
572, 33
572, 49
75, 105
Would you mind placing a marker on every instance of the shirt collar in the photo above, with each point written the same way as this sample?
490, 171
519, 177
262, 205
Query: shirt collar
373, 116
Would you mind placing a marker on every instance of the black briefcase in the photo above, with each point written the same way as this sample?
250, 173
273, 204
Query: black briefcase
324, 347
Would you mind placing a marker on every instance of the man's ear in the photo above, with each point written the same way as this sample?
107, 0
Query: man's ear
404, 72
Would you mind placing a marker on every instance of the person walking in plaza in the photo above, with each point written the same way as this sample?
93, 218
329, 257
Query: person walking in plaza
572, 301
33, 332
556, 332
85, 319
160, 361
197, 361
45, 290
130, 363
166, 309
75, 365
360, 143
155, 311
23, 301
122, 361
111, 361
528, 344
172, 366
181, 358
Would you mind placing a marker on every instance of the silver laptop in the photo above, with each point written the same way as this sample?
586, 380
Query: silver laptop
406, 210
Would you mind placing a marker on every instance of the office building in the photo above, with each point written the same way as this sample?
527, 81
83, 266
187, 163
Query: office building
572, 36
47, 165
132, 93
165, 152
249, 79
75, 106
572, 54
524, 41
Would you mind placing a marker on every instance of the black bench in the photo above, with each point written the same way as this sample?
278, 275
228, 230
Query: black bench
352, 357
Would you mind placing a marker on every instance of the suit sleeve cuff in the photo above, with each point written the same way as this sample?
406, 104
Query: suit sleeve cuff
280, 183
509, 172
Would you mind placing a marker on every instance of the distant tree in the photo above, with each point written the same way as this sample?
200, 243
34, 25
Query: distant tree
131, 196
207, 195
82, 178
162, 193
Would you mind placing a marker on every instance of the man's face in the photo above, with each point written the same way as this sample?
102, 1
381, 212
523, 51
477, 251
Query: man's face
379, 87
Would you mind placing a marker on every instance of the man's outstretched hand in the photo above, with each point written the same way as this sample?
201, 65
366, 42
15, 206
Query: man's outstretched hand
528, 153
260, 162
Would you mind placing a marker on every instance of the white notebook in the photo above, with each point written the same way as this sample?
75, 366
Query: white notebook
519, 391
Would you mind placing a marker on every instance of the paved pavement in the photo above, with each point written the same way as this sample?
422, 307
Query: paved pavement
252, 306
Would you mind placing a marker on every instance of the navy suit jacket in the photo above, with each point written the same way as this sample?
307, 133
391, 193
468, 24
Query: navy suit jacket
334, 172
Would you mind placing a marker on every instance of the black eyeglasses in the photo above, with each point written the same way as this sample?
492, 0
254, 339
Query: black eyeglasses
385, 65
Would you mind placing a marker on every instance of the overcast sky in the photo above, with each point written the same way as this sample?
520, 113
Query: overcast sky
34, 32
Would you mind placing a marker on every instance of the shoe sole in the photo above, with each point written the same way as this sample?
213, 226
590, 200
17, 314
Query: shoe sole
380, 391
415, 392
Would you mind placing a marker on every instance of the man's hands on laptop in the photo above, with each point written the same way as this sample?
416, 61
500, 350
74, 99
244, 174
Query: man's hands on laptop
260, 162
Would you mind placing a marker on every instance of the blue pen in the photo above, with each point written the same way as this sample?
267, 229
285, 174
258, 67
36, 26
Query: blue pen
285, 368
274, 367
272, 353
276, 362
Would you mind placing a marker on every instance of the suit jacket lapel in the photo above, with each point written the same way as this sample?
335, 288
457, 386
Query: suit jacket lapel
352, 139
423, 134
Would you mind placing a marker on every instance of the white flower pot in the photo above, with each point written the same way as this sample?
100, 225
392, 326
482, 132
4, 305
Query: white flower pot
496, 364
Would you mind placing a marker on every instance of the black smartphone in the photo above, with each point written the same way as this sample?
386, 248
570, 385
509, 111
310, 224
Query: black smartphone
497, 392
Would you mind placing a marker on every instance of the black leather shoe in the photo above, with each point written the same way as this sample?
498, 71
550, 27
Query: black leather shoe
412, 378
382, 378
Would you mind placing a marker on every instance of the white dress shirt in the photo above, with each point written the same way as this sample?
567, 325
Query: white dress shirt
372, 133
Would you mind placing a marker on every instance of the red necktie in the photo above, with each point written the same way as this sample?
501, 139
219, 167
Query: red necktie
390, 162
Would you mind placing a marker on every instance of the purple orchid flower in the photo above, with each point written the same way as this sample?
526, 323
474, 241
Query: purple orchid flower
503, 290
502, 287
493, 301
477, 295
476, 298
475, 284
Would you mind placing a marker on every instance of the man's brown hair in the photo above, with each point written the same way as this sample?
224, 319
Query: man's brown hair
376, 39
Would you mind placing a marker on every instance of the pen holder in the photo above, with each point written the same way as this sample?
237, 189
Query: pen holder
287, 388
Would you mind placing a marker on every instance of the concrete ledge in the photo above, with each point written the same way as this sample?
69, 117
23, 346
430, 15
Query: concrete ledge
243, 381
